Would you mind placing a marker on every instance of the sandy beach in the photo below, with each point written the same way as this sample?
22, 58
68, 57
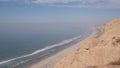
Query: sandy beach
96, 51
59, 33
51, 61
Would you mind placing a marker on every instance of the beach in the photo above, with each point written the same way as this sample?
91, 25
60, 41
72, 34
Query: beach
59, 33
51, 61
100, 51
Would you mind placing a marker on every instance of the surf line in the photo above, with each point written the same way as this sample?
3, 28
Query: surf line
43, 49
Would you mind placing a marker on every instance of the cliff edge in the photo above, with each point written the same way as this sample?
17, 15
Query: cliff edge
102, 51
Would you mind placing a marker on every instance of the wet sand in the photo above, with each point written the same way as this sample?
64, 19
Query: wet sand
52, 60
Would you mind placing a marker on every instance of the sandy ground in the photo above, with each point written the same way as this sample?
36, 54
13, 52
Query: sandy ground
51, 61
101, 51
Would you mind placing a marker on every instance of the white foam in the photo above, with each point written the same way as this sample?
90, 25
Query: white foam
21, 62
43, 49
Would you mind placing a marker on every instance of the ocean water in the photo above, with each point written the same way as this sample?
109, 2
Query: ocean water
24, 42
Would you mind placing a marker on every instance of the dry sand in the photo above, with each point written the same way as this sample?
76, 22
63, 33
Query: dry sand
51, 61
101, 51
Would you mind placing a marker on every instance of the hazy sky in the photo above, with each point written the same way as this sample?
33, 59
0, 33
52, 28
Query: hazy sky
58, 10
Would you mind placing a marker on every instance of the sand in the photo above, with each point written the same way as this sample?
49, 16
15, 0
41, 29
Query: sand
102, 51
51, 61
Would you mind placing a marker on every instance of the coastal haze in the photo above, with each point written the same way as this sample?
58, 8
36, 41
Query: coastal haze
21, 42
33, 30
23, 38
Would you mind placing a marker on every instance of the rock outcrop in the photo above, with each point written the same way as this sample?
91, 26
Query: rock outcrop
102, 51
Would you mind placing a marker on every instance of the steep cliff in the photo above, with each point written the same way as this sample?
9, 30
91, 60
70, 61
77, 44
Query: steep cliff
102, 51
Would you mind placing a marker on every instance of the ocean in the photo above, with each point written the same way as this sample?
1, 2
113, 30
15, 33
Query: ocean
22, 44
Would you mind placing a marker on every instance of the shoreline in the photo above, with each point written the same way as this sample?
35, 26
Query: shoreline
52, 60
26, 61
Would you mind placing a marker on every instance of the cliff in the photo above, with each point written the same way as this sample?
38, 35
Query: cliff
101, 51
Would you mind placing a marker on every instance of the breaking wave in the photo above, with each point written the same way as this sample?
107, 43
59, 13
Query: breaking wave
43, 49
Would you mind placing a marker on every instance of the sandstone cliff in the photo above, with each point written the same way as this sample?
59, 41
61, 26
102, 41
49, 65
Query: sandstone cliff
102, 51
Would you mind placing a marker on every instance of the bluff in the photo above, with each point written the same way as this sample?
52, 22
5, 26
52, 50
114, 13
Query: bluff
101, 51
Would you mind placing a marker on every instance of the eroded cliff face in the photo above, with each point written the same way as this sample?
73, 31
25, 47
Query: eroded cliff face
102, 51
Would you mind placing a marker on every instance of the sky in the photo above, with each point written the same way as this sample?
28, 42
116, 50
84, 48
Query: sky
58, 11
